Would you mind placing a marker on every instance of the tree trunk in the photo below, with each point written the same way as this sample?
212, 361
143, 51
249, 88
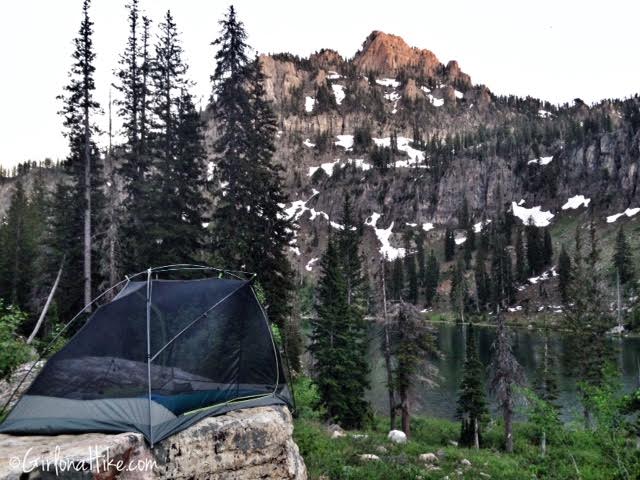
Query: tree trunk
543, 443
387, 356
46, 306
87, 189
476, 434
508, 429
404, 409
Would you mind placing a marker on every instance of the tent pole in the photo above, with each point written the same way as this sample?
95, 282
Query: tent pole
149, 351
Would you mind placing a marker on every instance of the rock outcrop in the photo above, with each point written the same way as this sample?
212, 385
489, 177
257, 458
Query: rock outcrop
254, 443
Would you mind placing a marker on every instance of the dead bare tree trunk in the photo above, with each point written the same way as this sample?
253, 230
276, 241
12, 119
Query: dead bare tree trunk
387, 354
46, 305
87, 193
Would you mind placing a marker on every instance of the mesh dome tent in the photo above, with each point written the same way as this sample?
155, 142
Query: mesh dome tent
162, 355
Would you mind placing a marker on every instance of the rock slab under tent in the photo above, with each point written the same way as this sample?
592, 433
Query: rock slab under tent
254, 443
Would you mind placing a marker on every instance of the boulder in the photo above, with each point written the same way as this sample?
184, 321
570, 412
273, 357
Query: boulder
397, 436
465, 463
428, 458
336, 431
253, 443
8, 385
368, 457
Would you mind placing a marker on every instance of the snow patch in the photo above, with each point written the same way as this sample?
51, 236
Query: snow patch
308, 143
333, 75
576, 202
544, 114
309, 103
437, 102
540, 217
295, 250
425, 89
309, 266
477, 228
541, 160
392, 97
427, 226
345, 141
460, 240
384, 234
338, 92
329, 167
413, 225
629, 212
459, 94
416, 157
388, 82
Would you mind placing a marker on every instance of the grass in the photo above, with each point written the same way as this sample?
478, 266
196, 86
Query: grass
575, 455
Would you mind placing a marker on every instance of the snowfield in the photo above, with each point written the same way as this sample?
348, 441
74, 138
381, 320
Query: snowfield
329, 167
576, 202
345, 141
309, 103
384, 234
437, 102
338, 92
388, 82
629, 212
427, 226
540, 217
416, 157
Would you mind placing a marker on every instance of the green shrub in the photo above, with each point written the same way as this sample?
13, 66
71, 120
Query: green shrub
13, 349
308, 403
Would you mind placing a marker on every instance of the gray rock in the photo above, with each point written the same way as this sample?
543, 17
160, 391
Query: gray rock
465, 463
428, 458
254, 443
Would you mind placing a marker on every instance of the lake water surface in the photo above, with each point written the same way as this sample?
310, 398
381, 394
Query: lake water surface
440, 400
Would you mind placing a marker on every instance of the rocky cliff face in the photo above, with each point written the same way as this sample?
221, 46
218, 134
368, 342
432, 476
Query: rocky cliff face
455, 140
248, 444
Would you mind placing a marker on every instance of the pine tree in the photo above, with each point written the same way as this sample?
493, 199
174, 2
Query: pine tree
472, 404
421, 260
547, 248
623, 259
449, 245
397, 280
78, 112
469, 246
506, 375
521, 264
587, 320
459, 290
133, 85
432, 279
176, 233
412, 279
564, 274
483, 282
412, 342
535, 249
249, 186
502, 281
16, 250
337, 344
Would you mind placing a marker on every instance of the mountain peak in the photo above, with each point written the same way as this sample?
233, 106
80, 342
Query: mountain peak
388, 54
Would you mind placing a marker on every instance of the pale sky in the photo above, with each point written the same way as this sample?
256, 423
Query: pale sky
551, 49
